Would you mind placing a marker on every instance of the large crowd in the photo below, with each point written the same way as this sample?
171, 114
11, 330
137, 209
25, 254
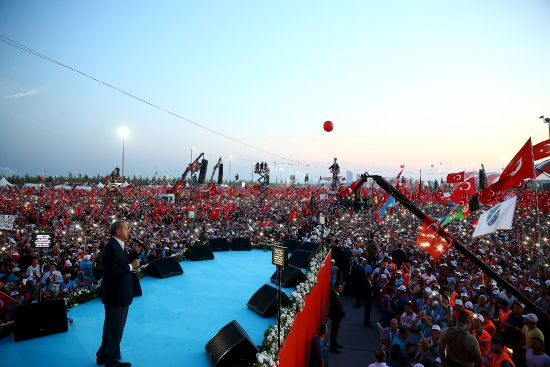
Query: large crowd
421, 302
417, 297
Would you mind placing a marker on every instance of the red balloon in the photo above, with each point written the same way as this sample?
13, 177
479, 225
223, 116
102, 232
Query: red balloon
327, 126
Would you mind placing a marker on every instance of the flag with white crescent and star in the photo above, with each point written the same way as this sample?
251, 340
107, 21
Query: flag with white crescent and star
455, 177
430, 241
541, 150
466, 188
519, 168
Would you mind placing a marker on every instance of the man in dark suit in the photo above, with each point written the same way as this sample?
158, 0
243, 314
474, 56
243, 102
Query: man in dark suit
116, 294
369, 297
335, 314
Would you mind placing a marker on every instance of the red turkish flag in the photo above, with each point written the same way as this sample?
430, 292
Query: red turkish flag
232, 191
429, 241
213, 190
541, 150
466, 188
6, 300
215, 214
455, 177
489, 195
519, 168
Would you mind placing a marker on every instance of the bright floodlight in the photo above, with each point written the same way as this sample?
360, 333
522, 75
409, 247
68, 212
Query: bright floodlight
123, 132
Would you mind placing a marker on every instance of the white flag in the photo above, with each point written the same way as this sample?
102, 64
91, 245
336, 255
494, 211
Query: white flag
498, 217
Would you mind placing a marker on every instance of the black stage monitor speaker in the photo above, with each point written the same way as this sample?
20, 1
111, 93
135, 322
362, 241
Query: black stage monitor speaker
219, 244
300, 258
311, 246
220, 174
291, 276
40, 319
264, 301
292, 245
201, 252
241, 244
163, 268
231, 346
202, 172
136, 285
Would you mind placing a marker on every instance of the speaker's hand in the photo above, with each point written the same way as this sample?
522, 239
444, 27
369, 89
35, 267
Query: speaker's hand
135, 263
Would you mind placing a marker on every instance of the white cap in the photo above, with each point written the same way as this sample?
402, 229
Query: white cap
531, 317
383, 276
463, 294
478, 316
398, 272
402, 288
469, 305
547, 283
458, 302
436, 327
87, 257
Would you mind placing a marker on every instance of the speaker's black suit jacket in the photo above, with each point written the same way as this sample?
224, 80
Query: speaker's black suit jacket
117, 289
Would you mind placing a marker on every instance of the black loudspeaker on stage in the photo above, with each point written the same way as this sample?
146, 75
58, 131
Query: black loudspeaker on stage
220, 174
264, 301
201, 252
163, 268
202, 172
219, 244
292, 245
40, 319
311, 246
241, 244
291, 276
301, 258
231, 346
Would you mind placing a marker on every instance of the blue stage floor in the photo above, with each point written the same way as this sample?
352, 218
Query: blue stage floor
169, 325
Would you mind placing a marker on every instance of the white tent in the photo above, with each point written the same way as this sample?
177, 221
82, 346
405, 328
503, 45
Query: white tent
63, 187
168, 186
4, 182
35, 185
125, 184
84, 187
100, 185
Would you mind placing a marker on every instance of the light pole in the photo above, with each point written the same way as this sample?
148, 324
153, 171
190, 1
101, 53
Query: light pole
123, 133
546, 120
192, 149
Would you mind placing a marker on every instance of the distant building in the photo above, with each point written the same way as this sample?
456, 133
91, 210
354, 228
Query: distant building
349, 177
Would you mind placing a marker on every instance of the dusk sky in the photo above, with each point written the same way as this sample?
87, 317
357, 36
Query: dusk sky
420, 83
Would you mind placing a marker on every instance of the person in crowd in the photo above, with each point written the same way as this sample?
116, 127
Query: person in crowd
530, 329
535, 356
86, 265
48, 276
499, 357
380, 356
398, 349
387, 334
336, 314
33, 270
318, 356
457, 347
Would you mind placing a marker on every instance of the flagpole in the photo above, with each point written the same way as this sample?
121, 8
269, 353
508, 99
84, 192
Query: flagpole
538, 214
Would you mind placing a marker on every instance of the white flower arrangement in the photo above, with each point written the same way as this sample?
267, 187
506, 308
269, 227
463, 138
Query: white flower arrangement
269, 350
